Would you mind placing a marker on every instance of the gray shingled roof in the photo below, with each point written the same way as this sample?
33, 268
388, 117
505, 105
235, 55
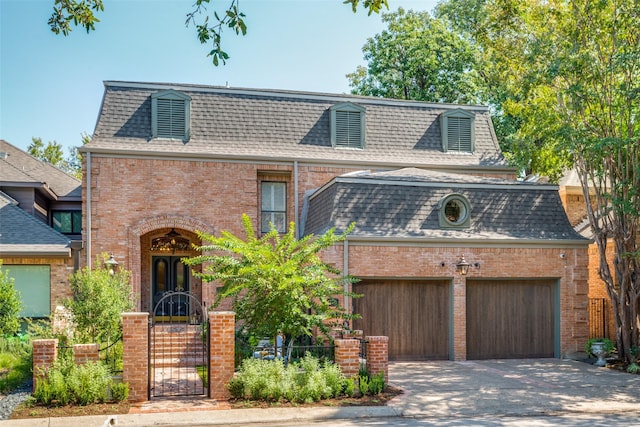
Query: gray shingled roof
20, 168
22, 234
403, 204
286, 125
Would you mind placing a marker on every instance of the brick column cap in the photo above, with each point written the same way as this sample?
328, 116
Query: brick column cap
135, 314
212, 313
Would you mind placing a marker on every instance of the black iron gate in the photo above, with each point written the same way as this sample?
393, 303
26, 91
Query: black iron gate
178, 347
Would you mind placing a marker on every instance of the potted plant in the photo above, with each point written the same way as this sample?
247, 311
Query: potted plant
600, 348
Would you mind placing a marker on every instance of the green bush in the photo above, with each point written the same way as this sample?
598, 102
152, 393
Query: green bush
377, 384
119, 391
305, 381
10, 304
66, 382
15, 357
370, 385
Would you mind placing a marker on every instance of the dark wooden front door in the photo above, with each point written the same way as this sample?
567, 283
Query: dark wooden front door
170, 274
413, 314
510, 319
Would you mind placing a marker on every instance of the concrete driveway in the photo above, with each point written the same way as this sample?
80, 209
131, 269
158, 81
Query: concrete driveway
511, 388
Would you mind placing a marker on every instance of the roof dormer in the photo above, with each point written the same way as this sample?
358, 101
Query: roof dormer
347, 126
458, 133
170, 115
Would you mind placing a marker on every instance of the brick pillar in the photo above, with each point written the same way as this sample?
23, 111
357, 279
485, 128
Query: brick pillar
459, 317
222, 326
135, 355
378, 356
348, 356
45, 352
83, 353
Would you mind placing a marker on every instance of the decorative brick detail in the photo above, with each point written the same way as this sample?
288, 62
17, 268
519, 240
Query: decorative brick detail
348, 356
222, 352
83, 353
378, 356
45, 352
135, 355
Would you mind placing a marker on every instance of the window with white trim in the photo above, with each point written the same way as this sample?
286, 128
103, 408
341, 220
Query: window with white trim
347, 126
170, 115
273, 207
458, 134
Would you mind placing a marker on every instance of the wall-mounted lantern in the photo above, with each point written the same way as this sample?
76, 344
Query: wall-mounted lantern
462, 266
111, 264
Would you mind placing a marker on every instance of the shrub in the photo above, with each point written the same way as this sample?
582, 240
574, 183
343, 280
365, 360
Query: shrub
10, 304
120, 391
304, 381
377, 384
65, 382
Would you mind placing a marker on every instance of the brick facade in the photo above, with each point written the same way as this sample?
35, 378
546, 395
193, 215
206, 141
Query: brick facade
83, 353
135, 199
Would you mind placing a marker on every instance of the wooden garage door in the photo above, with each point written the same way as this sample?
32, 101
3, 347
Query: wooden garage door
510, 319
413, 314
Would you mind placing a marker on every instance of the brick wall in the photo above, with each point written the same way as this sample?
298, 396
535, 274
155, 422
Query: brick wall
135, 355
221, 349
83, 353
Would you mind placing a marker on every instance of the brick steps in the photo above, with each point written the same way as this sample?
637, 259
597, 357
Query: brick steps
175, 346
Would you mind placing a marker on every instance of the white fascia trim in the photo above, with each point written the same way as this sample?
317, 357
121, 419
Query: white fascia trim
302, 161
467, 243
506, 186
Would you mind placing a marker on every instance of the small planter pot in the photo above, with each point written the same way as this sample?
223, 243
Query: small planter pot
598, 349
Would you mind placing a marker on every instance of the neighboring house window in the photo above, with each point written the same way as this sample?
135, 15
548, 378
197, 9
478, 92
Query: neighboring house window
455, 211
33, 283
458, 133
170, 115
347, 126
67, 222
273, 206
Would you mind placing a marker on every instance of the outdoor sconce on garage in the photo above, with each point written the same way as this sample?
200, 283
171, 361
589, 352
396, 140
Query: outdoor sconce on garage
111, 264
462, 266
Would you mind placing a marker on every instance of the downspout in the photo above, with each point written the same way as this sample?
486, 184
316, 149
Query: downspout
345, 272
296, 201
88, 207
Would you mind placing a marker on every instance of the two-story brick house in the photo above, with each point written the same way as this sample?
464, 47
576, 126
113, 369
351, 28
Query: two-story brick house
40, 228
425, 183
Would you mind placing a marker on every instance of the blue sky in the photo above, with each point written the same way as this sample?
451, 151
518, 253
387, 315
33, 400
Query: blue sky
51, 86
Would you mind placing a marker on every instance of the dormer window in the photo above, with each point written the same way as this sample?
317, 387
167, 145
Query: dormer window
347, 126
458, 133
170, 116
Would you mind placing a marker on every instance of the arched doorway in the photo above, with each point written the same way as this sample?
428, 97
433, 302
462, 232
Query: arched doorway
162, 267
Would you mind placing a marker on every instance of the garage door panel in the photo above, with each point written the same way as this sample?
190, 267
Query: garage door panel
510, 319
413, 314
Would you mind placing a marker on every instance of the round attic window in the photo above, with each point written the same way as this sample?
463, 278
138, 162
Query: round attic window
455, 211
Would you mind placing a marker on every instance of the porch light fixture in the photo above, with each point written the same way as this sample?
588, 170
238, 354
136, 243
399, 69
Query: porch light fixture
462, 267
170, 242
111, 264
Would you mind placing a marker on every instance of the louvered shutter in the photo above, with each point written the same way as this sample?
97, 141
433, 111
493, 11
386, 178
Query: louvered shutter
171, 119
348, 129
459, 134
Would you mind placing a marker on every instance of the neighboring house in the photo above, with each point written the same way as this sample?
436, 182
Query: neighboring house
601, 319
40, 228
426, 185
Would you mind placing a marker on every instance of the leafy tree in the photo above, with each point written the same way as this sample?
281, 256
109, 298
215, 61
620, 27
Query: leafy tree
574, 67
10, 304
99, 298
417, 57
277, 283
52, 154
83, 13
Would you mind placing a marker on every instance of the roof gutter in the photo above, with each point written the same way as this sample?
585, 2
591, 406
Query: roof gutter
470, 243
